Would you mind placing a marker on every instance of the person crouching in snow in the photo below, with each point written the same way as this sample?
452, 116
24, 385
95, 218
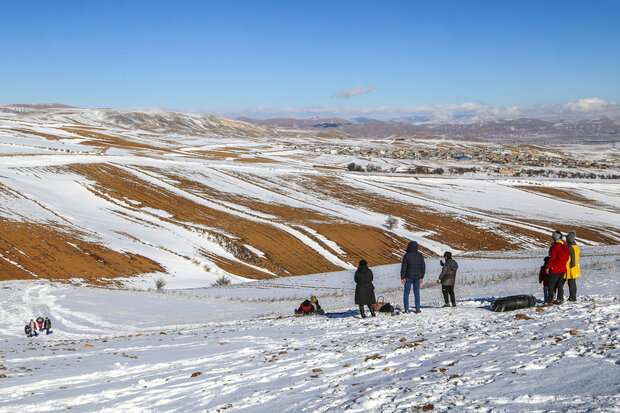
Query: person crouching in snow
304, 308
572, 267
364, 289
310, 306
33, 327
47, 324
316, 307
447, 279
556, 268
543, 278
28, 330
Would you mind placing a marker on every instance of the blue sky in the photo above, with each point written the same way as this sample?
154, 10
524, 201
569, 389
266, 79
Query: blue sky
210, 56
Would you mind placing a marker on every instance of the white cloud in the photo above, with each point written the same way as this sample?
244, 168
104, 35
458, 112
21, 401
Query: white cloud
589, 105
147, 109
589, 108
345, 94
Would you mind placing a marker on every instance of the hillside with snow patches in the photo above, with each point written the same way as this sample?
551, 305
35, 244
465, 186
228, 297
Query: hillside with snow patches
95, 205
112, 197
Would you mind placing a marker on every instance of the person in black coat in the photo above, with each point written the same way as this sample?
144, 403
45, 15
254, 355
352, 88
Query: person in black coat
364, 290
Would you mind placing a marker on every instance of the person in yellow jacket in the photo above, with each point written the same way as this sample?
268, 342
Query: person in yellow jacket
572, 266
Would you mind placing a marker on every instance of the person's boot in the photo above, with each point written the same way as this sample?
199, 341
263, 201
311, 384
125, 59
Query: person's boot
372, 311
447, 304
362, 312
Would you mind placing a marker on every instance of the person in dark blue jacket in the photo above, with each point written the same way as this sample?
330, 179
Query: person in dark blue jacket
412, 273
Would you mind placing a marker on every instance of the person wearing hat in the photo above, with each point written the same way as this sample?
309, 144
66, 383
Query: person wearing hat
33, 327
572, 268
556, 268
364, 289
447, 279
412, 272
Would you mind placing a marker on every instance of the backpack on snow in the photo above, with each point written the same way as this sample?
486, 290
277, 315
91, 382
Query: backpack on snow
382, 306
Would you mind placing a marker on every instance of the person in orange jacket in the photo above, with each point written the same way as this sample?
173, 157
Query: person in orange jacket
556, 268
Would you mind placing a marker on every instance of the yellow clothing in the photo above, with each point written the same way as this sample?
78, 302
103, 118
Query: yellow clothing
572, 268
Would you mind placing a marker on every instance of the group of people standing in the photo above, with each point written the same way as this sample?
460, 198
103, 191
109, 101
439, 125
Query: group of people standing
42, 324
561, 265
412, 271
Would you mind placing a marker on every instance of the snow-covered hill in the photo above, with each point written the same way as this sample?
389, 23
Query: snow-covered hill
114, 197
239, 349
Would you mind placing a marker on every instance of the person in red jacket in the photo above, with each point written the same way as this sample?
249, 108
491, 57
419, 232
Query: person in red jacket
556, 268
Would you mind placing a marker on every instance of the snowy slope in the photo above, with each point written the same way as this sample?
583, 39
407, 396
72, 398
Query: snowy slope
192, 198
238, 349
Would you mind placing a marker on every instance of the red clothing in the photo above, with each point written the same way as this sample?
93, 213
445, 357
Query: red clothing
560, 255
543, 277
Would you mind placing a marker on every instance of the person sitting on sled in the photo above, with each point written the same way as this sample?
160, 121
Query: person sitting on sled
310, 306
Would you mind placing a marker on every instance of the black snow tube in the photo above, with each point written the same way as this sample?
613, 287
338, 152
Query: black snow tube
514, 302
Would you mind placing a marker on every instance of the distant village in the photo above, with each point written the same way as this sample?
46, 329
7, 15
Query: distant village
508, 160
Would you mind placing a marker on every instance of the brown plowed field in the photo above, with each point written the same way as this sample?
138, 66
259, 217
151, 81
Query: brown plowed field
448, 229
287, 253
357, 241
56, 254
564, 195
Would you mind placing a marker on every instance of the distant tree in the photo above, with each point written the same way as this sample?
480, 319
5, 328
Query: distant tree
355, 167
373, 168
160, 284
438, 171
391, 223
221, 282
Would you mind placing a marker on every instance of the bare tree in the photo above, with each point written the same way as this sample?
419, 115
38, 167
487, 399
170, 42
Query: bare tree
391, 222
221, 282
160, 284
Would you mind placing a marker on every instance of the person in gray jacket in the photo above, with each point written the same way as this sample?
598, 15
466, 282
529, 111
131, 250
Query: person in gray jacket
447, 279
412, 273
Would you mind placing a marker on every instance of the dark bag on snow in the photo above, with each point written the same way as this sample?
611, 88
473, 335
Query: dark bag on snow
514, 302
387, 308
382, 306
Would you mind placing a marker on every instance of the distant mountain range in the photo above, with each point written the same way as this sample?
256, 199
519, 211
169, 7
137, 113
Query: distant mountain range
522, 130
26, 107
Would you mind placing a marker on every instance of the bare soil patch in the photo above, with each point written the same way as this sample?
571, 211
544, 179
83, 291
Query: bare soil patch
59, 253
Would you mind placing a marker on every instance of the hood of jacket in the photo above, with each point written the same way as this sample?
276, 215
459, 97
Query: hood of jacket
570, 238
412, 247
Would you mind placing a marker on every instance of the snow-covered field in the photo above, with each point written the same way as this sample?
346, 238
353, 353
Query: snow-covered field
94, 198
240, 349
193, 198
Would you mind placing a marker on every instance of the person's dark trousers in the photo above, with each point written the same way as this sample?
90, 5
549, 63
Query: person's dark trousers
556, 282
572, 289
448, 294
372, 311
47, 330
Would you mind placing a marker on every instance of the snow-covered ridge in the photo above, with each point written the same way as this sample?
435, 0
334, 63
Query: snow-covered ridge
193, 198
